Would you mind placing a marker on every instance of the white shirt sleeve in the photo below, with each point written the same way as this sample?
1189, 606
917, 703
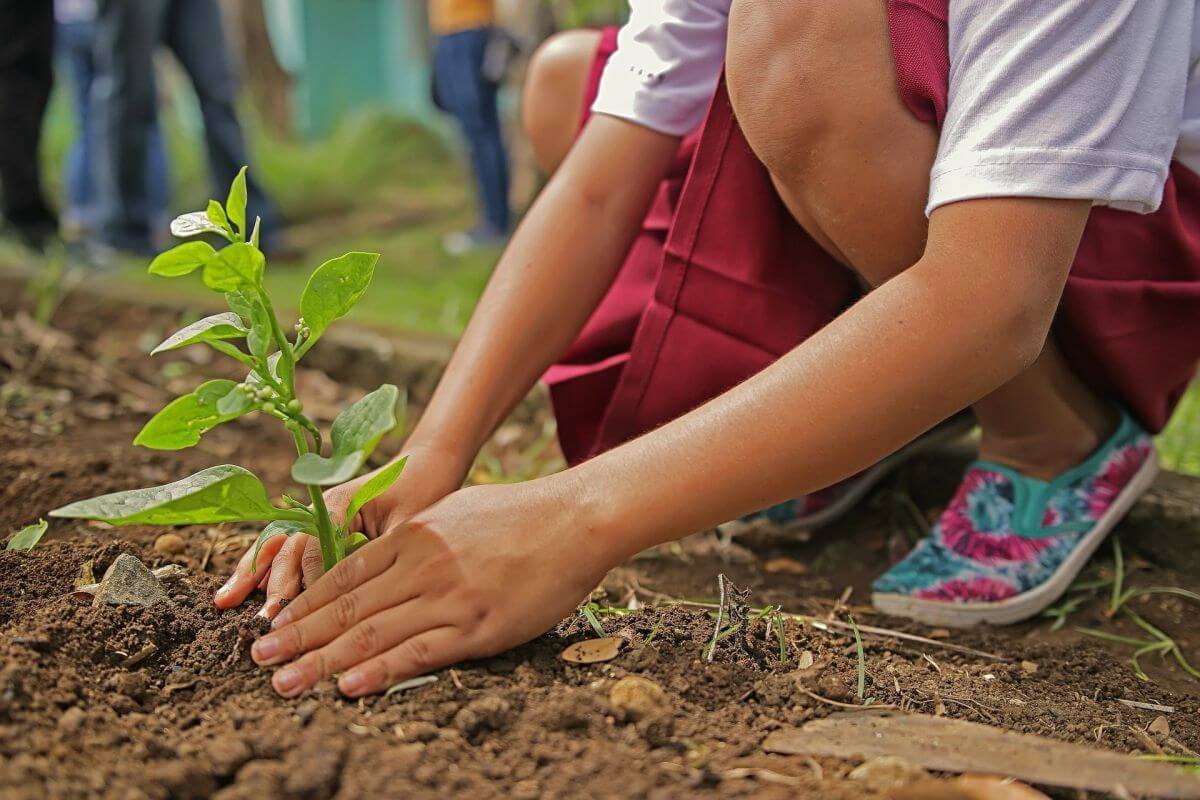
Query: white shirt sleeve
1063, 98
668, 59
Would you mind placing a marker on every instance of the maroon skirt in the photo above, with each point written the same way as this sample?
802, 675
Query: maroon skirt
721, 281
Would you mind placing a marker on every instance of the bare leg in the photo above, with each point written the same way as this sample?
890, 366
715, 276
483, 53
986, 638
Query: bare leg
813, 87
552, 99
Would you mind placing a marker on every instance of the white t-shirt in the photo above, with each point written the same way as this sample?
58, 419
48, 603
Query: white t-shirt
1048, 98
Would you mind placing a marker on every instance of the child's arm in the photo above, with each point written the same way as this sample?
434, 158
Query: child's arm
490, 567
551, 277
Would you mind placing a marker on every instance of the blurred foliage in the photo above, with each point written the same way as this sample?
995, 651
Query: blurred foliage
588, 13
1179, 444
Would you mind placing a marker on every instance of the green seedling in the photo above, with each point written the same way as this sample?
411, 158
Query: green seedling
229, 493
861, 689
1158, 642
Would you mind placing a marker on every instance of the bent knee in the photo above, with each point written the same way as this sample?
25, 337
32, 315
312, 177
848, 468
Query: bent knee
804, 75
552, 99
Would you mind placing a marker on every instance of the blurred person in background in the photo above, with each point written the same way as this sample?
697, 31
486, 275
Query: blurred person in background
125, 108
26, 76
75, 36
466, 88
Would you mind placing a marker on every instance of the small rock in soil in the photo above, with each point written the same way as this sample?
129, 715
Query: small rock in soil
170, 544
488, 713
832, 686
887, 772
417, 731
1160, 727
305, 711
129, 582
130, 684
72, 719
634, 698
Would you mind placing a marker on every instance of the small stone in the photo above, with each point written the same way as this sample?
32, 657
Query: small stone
129, 582
834, 687
634, 698
488, 713
170, 544
72, 719
306, 710
1160, 727
1029, 667
417, 731
887, 772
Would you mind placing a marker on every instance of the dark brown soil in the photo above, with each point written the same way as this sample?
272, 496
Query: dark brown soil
164, 702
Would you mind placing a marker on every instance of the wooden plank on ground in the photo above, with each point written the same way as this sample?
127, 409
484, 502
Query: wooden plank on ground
950, 745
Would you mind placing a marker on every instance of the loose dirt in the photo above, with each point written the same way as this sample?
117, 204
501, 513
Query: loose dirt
164, 702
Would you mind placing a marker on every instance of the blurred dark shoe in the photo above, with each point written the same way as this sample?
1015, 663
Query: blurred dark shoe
478, 238
36, 236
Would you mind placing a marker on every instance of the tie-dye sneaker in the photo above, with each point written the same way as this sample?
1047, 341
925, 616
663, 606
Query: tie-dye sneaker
811, 511
1008, 545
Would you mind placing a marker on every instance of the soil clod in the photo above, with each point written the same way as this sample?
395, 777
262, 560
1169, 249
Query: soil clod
634, 698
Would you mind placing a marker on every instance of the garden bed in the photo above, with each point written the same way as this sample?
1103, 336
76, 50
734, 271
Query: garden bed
165, 702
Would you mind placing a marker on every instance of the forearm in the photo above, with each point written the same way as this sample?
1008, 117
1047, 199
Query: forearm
559, 264
921, 347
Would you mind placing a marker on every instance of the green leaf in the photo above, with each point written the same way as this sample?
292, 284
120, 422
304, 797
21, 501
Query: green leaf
333, 289
216, 215
355, 433
28, 537
280, 527
185, 419
355, 541
377, 485
241, 303
182, 259
235, 403
238, 266
195, 223
218, 494
361, 425
272, 364
261, 338
314, 470
235, 205
218, 326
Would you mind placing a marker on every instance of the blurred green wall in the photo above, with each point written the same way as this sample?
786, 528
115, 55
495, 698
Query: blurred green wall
347, 54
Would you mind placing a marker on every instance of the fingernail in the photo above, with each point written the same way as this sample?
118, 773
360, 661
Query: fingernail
265, 650
281, 619
286, 680
224, 590
352, 682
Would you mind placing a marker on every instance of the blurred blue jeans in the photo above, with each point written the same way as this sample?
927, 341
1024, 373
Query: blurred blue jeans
125, 107
462, 90
74, 42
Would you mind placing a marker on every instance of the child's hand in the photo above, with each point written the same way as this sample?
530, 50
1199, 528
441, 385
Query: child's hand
487, 568
286, 564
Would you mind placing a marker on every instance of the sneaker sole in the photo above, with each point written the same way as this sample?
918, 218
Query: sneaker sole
1033, 602
954, 428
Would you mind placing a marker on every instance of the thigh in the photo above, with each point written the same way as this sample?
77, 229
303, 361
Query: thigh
553, 94
814, 88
